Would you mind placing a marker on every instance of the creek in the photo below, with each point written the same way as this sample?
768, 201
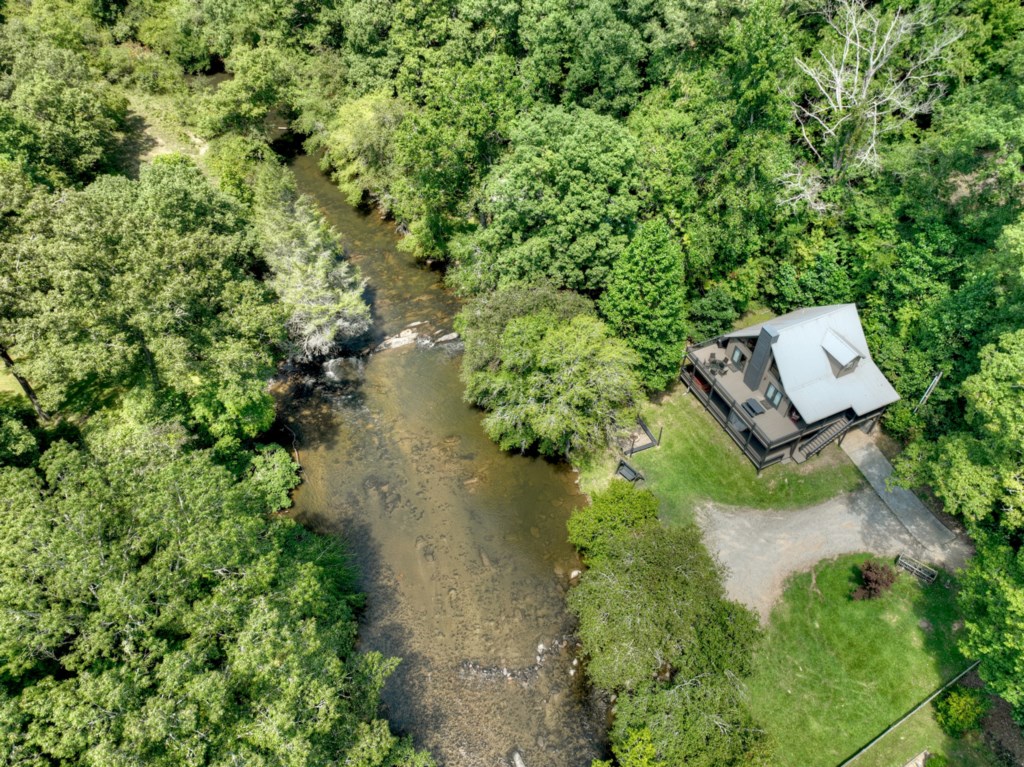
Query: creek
460, 548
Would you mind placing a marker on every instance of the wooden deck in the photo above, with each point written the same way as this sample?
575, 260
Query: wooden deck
767, 437
776, 426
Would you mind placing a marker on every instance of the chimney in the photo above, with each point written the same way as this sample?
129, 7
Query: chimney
761, 357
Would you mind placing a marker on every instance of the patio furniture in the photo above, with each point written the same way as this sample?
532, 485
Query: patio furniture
753, 407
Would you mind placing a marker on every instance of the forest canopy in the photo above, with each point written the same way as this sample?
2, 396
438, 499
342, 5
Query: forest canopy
750, 155
156, 607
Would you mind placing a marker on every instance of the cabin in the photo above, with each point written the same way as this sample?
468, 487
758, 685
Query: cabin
787, 388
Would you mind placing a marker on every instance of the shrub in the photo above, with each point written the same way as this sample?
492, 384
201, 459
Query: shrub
637, 750
655, 598
618, 509
659, 631
960, 710
937, 760
877, 578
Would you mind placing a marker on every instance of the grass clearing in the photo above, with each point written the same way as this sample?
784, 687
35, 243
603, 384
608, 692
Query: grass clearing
153, 129
697, 461
922, 733
831, 673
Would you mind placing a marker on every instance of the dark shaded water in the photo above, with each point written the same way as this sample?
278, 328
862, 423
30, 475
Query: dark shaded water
462, 548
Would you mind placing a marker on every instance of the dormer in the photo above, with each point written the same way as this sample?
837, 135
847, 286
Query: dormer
841, 355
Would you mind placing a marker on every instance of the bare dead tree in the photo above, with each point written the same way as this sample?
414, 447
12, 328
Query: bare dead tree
870, 79
803, 185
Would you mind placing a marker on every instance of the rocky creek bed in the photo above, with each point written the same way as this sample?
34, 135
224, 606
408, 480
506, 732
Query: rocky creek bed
461, 548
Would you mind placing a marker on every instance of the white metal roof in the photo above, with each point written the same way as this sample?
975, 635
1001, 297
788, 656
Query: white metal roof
806, 339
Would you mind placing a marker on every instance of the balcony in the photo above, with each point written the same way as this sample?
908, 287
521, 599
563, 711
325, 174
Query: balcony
773, 427
766, 437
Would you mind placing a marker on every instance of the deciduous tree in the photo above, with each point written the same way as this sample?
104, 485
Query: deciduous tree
560, 385
659, 632
156, 613
148, 283
55, 115
873, 72
559, 207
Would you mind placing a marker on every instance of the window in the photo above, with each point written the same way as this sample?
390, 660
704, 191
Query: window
773, 395
738, 358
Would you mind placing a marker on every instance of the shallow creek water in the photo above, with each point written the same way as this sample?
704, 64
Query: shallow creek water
461, 548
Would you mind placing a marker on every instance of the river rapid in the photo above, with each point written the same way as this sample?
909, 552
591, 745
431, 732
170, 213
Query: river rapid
461, 548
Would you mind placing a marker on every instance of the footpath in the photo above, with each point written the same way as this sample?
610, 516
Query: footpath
907, 507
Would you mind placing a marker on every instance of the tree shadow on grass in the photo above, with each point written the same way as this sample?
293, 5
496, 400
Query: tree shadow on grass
939, 621
137, 141
89, 395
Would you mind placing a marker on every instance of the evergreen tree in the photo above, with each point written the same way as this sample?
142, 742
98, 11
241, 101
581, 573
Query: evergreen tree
321, 292
644, 303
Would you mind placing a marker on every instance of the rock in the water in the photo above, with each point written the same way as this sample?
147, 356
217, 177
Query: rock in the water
448, 337
405, 338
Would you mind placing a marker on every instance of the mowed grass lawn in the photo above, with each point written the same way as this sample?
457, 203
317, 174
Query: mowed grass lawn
697, 461
831, 673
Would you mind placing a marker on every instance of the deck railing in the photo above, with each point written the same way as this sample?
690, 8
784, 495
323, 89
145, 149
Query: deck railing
760, 461
739, 437
767, 441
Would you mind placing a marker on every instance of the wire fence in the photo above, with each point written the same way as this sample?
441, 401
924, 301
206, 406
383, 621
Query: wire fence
913, 711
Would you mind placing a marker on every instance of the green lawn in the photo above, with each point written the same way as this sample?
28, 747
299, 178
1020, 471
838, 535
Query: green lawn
697, 461
831, 673
921, 733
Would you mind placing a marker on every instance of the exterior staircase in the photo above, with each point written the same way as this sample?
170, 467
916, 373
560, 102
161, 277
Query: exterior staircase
822, 439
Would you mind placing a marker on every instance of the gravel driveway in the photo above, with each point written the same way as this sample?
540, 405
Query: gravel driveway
761, 549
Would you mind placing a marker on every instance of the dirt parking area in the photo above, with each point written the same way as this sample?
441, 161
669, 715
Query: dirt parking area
761, 549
